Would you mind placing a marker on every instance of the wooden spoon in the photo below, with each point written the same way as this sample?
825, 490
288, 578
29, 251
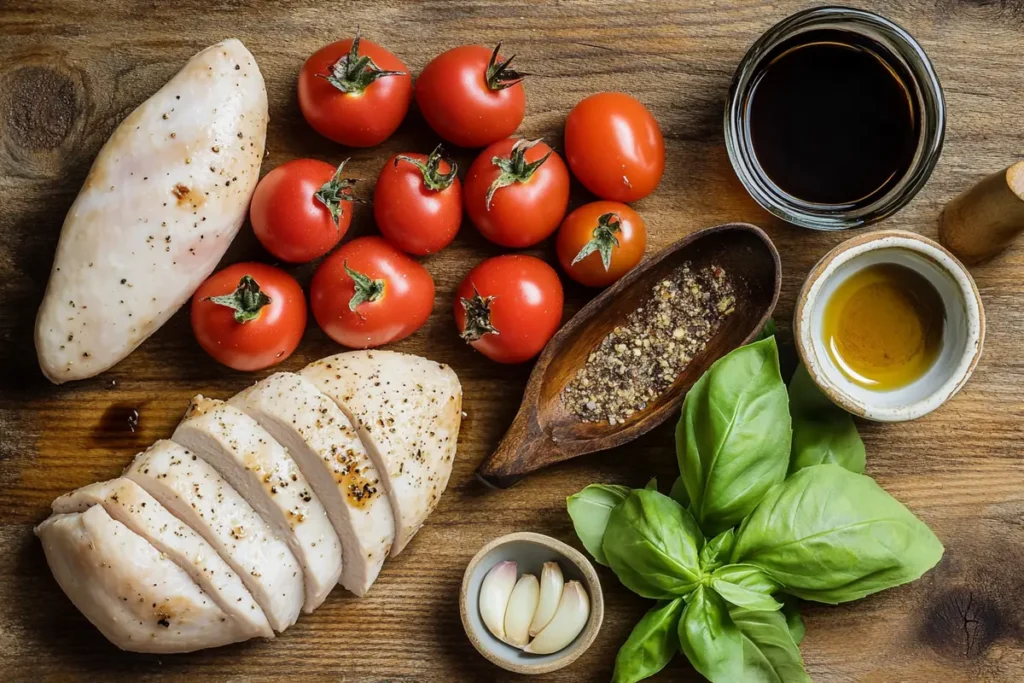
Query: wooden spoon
545, 432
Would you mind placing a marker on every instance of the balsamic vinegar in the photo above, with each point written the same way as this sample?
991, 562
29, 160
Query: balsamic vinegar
832, 119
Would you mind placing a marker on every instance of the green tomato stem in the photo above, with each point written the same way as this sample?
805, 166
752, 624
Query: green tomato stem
433, 179
247, 300
353, 74
366, 289
515, 169
603, 240
478, 316
335, 191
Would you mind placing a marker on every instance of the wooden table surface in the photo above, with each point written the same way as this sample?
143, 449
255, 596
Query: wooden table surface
70, 71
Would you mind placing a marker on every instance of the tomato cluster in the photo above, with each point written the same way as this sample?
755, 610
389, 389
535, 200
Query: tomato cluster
371, 291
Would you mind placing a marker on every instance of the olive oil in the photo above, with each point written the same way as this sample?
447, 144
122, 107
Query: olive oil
883, 326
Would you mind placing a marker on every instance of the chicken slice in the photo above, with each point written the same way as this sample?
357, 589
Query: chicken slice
134, 594
129, 504
194, 493
163, 200
266, 476
333, 460
407, 410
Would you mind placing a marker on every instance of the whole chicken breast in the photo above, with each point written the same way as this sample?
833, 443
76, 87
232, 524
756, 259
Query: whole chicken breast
134, 594
193, 492
126, 502
325, 446
266, 476
163, 200
407, 410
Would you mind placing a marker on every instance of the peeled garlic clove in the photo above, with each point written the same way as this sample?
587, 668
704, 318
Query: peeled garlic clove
521, 608
551, 583
495, 592
570, 618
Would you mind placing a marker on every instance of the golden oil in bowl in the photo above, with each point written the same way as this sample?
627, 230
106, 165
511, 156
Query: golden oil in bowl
883, 326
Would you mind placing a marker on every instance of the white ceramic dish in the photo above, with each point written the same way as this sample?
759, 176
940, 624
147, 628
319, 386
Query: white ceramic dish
530, 551
962, 340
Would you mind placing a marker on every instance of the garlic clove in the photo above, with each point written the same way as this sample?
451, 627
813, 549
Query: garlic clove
551, 583
521, 608
570, 618
495, 592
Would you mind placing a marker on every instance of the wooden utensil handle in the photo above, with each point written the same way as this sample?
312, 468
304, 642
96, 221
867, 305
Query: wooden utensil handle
984, 219
524, 449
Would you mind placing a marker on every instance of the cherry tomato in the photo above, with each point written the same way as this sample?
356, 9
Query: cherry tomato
354, 92
249, 316
418, 202
517, 192
600, 242
471, 96
368, 293
301, 209
508, 307
614, 147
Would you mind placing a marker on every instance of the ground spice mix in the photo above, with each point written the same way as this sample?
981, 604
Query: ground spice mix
641, 358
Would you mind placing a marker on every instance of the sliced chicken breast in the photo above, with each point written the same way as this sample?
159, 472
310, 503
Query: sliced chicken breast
134, 594
196, 494
162, 202
325, 446
127, 503
407, 410
266, 476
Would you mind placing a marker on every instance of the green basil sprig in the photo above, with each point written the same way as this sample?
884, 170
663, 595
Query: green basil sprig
652, 644
653, 545
826, 533
589, 510
733, 440
822, 431
831, 535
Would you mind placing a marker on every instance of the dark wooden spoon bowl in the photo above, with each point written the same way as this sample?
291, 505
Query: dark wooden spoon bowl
545, 432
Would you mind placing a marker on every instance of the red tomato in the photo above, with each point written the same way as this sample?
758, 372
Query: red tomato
614, 147
418, 202
368, 293
470, 96
508, 307
249, 316
354, 92
600, 242
301, 209
517, 192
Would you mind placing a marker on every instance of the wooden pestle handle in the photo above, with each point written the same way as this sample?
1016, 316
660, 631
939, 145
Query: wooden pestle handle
984, 219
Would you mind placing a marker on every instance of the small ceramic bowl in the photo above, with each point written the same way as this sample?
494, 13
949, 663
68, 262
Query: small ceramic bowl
962, 339
530, 551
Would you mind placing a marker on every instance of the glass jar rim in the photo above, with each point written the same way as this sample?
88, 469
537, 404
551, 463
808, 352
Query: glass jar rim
902, 46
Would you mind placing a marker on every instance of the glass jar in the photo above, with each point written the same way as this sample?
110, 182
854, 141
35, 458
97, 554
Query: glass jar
923, 84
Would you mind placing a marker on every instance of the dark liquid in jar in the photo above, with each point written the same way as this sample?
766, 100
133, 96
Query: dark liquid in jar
832, 119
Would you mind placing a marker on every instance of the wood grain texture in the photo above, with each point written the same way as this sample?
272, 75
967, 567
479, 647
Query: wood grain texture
70, 71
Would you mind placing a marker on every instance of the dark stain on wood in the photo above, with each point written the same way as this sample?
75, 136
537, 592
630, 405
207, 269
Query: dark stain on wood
963, 623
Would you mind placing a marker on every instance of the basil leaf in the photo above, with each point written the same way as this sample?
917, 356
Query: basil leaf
652, 485
822, 431
830, 535
678, 493
770, 655
652, 544
652, 644
733, 439
747, 586
710, 639
767, 331
589, 510
716, 552
791, 610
